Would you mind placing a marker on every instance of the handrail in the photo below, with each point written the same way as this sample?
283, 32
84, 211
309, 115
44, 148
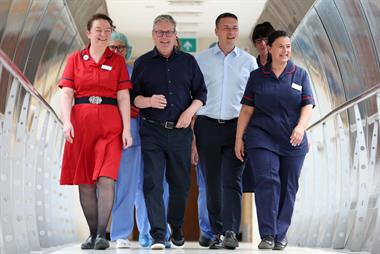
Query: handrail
361, 97
16, 73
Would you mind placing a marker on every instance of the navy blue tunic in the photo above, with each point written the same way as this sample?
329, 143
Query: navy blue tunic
277, 103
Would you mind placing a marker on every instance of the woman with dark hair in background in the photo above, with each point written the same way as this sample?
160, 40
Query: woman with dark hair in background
96, 127
260, 41
277, 106
260, 36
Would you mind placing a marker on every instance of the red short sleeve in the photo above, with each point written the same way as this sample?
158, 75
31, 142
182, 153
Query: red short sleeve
124, 81
67, 79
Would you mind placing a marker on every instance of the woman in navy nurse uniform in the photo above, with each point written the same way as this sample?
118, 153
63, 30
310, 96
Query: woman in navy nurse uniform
277, 106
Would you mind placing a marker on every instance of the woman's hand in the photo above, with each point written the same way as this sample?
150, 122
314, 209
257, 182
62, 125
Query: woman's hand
68, 131
127, 139
297, 135
239, 149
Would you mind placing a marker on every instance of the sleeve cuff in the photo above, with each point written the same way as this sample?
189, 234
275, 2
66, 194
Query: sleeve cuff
124, 84
247, 100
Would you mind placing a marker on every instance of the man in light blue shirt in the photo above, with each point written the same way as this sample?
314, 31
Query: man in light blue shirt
226, 69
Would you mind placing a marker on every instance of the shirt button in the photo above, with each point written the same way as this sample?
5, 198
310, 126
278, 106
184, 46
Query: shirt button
171, 105
170, 93
169, 81
168, 69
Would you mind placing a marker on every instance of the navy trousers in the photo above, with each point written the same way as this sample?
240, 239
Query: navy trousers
171, 149
276, 185
222, 172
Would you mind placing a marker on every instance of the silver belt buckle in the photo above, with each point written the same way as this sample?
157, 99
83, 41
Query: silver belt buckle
169, 125
221, 121
95, 99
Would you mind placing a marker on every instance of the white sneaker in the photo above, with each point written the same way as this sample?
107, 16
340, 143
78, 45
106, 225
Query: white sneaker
123, 244
157, 245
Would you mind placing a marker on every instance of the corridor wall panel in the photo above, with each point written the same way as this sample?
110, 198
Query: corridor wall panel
338, 202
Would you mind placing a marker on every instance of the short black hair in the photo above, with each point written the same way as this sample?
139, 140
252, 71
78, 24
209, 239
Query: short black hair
262, 30
276, 34
225, 15
99, 16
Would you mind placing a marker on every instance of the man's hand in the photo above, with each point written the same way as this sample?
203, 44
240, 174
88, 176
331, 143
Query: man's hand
158, 101
194, 152
184, 119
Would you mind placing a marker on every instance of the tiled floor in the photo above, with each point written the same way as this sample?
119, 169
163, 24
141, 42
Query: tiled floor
190, 248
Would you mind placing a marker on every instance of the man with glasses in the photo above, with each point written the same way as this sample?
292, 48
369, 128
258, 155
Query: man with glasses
226, 69
168, 88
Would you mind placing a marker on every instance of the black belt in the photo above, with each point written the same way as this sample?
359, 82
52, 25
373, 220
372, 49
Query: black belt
96, 100
166, 125
219, 121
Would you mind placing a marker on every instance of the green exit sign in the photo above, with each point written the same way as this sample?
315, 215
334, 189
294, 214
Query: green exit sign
188, 44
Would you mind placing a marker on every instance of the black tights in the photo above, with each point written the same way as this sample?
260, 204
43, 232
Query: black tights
96, 201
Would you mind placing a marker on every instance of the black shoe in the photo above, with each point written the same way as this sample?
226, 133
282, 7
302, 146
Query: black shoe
230, 241
280, 245
88, 244
178, 240
216, 244
204, 241
267, 243
101, 243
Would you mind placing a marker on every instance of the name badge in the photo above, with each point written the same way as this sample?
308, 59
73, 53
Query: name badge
297, 87
106, 67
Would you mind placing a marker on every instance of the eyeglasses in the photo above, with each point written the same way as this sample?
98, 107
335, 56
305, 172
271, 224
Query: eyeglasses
160, 33
119, 48
260, 40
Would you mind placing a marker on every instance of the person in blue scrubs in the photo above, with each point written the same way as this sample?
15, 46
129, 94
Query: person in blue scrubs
129, 185
277, 106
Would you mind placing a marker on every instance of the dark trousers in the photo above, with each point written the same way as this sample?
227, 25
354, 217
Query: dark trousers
276, 185
222, 171
171, 149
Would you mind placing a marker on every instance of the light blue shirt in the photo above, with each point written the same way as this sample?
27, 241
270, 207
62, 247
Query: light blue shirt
226, 77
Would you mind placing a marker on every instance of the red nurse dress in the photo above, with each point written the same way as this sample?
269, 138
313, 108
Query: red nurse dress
97, 144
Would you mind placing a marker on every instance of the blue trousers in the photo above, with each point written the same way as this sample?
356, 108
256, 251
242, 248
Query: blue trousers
276, 186
204, 222
129, 191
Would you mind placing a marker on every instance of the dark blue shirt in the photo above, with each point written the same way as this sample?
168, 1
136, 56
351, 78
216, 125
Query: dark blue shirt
178, 78
277, 103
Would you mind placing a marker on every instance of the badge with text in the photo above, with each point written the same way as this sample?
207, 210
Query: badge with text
297, 87
106, 67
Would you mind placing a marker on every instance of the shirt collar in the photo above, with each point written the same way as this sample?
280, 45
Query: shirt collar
86, 52
156, 53
289, 69
217, 50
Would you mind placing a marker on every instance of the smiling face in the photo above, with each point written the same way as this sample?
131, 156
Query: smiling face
164, 36
281, 50
100, 33
227, 31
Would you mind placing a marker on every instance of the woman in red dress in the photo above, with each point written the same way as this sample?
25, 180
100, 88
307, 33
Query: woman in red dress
96, 127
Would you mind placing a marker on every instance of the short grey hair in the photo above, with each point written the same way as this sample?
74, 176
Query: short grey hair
166, 18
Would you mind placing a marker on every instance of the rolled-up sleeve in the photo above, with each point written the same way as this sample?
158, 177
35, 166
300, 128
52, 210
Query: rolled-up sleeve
198, 88
68, 76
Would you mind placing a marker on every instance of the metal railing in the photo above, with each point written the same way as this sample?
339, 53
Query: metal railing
35, 211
